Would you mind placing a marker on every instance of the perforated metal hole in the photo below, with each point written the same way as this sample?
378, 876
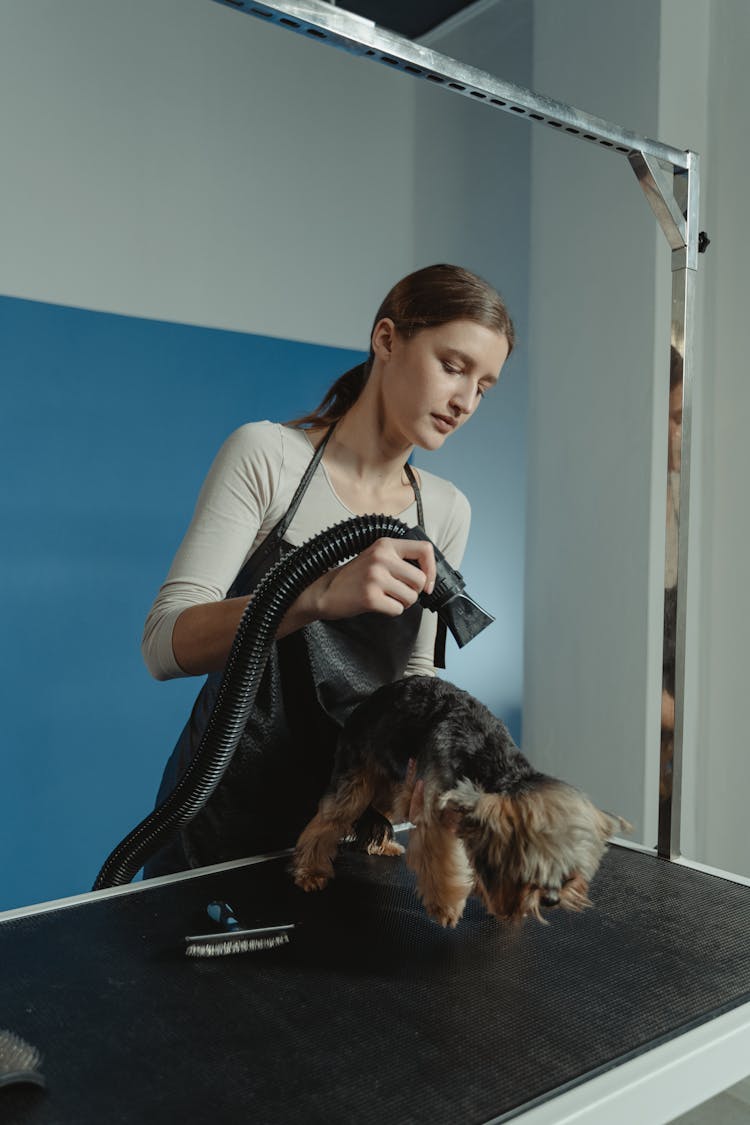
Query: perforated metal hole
437, 79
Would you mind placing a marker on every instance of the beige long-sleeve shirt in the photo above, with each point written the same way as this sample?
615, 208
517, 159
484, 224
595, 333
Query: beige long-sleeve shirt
247, 491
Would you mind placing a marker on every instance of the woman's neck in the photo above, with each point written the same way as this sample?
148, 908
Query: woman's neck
361, 449
365, 474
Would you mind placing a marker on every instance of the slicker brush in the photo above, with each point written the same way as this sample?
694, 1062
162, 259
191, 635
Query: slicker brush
19, 1061
232, 937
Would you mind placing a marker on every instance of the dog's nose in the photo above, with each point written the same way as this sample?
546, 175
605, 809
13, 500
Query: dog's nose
550, 897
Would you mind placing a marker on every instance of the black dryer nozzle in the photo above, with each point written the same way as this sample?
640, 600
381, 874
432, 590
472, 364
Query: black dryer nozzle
464, 618
461, 614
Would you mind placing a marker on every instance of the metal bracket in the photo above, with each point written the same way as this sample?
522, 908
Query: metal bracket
657, 181
672, 195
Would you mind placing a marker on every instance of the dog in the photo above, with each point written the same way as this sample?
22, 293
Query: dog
486, 820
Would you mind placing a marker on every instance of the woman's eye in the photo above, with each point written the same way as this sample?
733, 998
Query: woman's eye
450, 368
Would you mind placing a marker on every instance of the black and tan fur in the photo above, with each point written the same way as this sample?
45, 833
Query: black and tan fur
489, 823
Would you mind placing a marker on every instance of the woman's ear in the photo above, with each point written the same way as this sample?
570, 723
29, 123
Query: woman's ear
383, 335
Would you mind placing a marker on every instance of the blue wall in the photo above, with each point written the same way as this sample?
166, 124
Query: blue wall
109, 424
108, 428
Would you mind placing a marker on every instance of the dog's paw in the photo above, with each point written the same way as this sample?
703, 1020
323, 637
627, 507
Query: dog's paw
311, 880
446, 916
385, 847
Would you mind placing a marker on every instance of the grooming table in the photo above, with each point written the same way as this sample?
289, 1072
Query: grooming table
632, 1011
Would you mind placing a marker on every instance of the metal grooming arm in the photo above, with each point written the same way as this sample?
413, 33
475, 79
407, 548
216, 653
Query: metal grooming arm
672, 194
326, 23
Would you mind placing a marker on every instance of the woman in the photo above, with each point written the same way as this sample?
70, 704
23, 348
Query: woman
438, 343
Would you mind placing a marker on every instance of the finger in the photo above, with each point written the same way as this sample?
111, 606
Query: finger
420, 552
405, 593
389, 574
387, 596
408, 573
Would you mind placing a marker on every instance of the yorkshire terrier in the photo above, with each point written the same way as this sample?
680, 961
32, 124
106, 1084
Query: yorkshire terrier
486, 822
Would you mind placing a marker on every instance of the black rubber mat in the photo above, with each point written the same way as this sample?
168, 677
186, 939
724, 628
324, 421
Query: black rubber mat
373, 1013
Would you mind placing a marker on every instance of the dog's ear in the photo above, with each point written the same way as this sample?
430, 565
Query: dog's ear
506, 817
457, 803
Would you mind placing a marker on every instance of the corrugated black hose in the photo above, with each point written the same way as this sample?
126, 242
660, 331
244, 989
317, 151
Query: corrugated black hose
239, 685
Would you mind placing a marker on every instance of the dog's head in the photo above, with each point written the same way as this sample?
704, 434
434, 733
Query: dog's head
536, 848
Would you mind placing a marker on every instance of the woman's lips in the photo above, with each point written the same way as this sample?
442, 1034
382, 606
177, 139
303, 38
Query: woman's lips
445, 425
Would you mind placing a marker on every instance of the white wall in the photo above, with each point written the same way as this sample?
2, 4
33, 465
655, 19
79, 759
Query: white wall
592, 310
677, 71
182, 161
723, 781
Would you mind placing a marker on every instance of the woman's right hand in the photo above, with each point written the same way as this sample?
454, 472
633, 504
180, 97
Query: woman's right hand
381, 579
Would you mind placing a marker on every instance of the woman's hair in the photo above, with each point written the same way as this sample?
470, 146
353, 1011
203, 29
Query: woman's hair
427, 298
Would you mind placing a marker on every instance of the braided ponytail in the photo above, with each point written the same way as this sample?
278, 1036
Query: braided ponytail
339, 398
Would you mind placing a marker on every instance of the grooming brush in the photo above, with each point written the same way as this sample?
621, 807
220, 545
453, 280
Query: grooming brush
232, 937
18, 1061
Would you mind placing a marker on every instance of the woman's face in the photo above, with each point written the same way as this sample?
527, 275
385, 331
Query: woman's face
433, 382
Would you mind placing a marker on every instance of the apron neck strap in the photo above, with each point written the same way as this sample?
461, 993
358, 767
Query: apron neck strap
283, 524
417, 494
281, 527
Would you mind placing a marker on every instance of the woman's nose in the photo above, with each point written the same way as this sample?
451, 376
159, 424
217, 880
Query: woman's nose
461, 403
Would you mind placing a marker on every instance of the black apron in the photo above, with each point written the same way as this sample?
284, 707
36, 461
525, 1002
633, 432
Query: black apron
313, 680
